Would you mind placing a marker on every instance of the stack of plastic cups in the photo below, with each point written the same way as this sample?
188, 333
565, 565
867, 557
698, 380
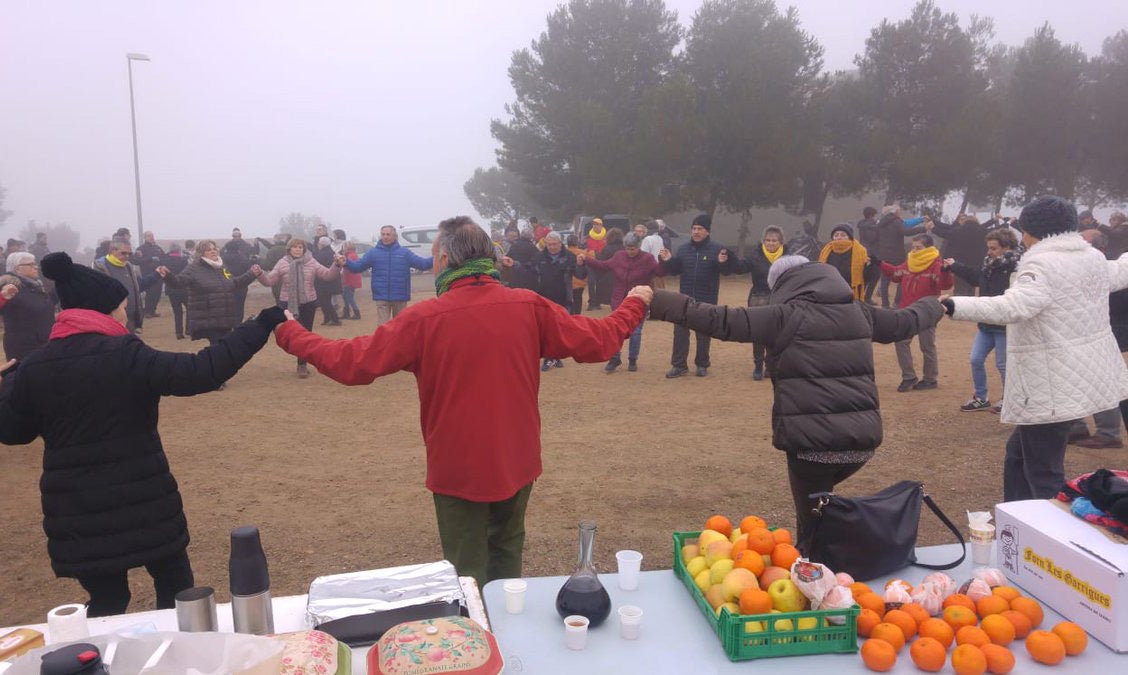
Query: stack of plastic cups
982, 544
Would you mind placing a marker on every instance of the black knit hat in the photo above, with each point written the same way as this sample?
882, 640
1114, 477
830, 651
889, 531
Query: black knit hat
843, 227
80, 287
704, 220
1047, 216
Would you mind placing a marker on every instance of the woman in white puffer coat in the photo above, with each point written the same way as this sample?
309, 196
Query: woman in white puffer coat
1063, 362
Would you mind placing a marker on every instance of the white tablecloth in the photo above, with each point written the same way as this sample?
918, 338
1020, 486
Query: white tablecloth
676, 639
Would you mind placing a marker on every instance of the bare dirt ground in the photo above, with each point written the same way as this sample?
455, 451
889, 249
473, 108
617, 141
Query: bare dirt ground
333, 475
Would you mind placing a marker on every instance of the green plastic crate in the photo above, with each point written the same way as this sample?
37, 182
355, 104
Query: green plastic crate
740, 645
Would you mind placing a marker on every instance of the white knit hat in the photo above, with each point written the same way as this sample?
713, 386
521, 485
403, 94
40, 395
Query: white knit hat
782, 265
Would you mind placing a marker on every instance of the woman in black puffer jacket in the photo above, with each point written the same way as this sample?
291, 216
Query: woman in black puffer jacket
820, 354
211, 292
110, 502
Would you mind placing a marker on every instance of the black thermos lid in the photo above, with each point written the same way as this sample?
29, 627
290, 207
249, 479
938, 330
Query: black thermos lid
78, 659
247, 568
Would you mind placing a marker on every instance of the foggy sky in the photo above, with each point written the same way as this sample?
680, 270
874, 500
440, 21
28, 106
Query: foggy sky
365, 113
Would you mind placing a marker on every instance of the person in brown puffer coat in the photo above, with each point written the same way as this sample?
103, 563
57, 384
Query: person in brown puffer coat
211, 292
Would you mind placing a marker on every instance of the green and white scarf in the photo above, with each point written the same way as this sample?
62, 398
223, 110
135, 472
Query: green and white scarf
471, 268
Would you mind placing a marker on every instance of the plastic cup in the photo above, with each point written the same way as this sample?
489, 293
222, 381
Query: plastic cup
983, 534
630, 621
981, 553
575, 631
630, 566
982, 544
515, 595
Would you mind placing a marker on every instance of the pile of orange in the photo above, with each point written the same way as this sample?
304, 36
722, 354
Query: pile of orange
771, 547
980, 632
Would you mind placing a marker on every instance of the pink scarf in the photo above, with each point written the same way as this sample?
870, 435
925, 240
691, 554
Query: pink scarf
78, 321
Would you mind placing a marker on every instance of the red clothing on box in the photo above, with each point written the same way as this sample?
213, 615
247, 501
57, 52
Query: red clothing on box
475, 353
915, 286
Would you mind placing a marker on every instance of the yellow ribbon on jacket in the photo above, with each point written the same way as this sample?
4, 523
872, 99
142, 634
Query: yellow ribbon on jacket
921, 260
857, 263
772, 257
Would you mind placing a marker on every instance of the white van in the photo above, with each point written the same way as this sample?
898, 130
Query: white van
418, 238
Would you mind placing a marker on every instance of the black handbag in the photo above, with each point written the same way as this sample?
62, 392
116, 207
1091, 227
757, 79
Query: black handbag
871, 537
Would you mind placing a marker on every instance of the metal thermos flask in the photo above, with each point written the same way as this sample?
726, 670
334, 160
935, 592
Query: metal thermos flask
250, 583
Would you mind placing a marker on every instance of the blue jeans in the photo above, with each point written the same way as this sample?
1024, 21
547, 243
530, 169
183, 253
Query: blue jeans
633, 345
984, 342
349, 294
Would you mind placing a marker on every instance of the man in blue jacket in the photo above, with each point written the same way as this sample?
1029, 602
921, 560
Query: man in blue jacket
698, 261
391, 266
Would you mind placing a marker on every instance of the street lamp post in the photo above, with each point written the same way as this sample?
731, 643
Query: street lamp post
129, 59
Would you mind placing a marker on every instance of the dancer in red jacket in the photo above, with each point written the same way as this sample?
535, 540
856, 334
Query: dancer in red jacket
924, 274
481, 473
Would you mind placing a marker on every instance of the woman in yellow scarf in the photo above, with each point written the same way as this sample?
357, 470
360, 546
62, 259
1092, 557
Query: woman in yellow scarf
848, 257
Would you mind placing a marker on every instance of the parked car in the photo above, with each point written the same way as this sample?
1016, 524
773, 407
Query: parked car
418, 238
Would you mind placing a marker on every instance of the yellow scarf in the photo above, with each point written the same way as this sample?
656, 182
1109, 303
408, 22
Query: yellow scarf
921, 260
114, 261
858, 258
598, 236
772, 257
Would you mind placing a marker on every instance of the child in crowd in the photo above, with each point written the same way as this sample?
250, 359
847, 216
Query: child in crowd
350, 281
1064, 361
992, 278
922, 275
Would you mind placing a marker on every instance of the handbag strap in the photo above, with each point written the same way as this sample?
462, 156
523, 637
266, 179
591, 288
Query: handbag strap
955, 530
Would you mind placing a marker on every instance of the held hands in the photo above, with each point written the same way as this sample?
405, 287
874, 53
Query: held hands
9, 291
256, 270
506, 261
163, 271
644, 293
580, 259
338, 260
270, 317
288, 314
664, 254
723, 256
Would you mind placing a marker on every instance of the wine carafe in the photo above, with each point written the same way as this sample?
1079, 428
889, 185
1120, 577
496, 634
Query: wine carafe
582, 593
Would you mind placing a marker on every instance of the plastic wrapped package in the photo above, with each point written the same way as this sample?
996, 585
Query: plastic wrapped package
166, 653
843, 579
976, 589
897, 594
991, 575
929, 596
945, 583
813, 580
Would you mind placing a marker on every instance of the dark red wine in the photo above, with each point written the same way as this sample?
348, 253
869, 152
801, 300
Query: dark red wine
584, 596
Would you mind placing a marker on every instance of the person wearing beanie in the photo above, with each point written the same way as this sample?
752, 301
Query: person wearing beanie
110, 502
758, 263
1063, 362
923, 274
700, 262
117, 265
848, 257
819, 343
27, 307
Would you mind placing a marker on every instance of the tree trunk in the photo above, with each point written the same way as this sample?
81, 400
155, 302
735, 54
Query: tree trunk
966, 199
818, 211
